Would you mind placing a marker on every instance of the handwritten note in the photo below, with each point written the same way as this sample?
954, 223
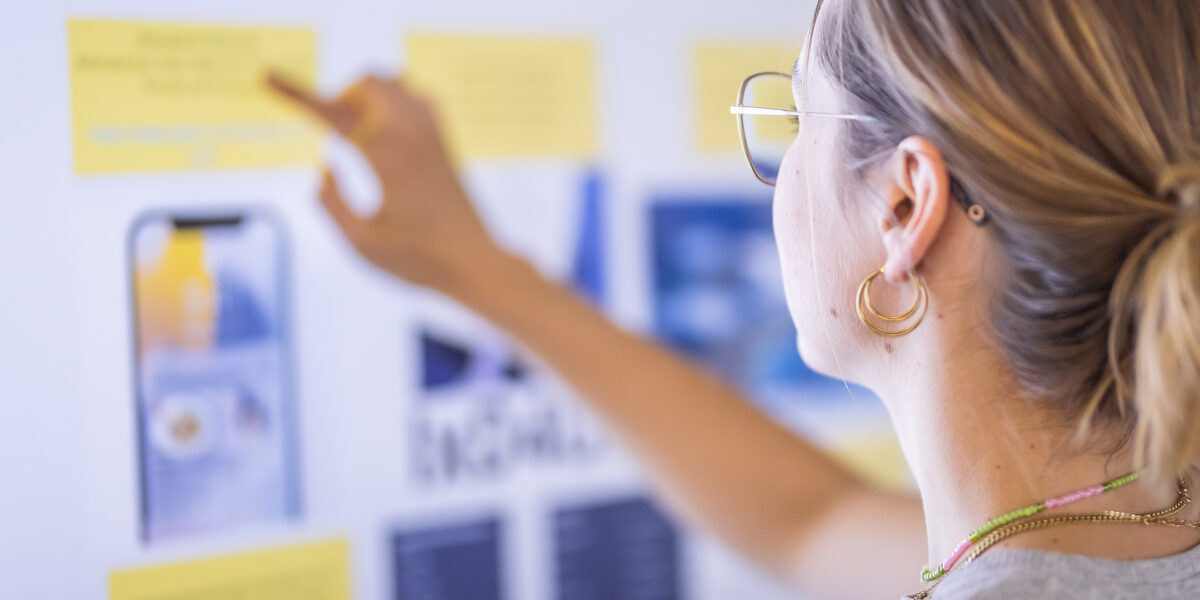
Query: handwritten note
718, 68
173, 97
508, 96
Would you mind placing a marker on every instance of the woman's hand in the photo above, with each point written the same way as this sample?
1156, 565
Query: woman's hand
426, 231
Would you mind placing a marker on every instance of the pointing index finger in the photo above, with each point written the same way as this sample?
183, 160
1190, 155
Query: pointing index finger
332, 114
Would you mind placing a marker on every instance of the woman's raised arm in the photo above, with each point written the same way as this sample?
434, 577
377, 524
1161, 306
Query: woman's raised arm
723, 463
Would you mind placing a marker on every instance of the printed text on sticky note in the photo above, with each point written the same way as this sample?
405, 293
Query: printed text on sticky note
509, 96
173, 97
718, 68
316, 571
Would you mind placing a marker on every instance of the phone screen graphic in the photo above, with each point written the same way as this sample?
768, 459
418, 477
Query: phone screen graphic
214, 402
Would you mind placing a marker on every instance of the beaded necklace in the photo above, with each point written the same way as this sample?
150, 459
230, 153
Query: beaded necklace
1002, 527
1020, 513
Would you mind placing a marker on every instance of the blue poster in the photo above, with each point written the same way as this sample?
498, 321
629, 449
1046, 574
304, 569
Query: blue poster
481, 413
457, 562
624, 550
718, 298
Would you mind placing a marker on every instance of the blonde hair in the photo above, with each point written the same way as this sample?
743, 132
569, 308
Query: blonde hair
1076, 125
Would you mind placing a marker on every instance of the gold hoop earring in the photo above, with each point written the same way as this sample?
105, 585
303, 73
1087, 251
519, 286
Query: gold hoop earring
865, 307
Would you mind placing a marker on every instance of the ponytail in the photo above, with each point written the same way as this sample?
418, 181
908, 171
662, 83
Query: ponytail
1156, 314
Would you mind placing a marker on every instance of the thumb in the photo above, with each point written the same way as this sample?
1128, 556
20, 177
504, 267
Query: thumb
335, 206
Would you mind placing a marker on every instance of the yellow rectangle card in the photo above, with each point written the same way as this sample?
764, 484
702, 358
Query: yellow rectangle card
876, 458
718, 68
506, 96
315, 571
177, 97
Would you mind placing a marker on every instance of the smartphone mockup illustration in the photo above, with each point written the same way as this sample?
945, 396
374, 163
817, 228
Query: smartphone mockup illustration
215, 406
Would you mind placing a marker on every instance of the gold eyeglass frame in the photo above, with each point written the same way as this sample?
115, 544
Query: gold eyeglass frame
741, 110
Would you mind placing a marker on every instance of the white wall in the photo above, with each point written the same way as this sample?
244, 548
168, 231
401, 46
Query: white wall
67, 446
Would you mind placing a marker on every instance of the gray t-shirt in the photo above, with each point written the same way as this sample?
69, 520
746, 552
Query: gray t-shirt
1021, 573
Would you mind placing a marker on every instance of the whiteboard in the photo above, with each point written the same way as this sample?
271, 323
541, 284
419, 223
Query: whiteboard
67, 439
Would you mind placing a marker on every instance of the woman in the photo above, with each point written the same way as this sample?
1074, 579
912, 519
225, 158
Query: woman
1029, 172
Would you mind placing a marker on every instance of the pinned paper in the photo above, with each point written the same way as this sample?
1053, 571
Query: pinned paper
508, 96
317, 571
174, 97
718, 69
876, 457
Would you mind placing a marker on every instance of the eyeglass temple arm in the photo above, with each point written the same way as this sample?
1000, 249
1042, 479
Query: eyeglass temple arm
758, 110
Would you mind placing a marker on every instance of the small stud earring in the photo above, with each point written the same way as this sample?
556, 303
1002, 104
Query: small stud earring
977, 215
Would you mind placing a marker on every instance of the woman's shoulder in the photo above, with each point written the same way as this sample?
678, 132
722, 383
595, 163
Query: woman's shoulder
1021, 573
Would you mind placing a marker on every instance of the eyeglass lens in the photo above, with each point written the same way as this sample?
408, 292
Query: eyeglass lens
768, 136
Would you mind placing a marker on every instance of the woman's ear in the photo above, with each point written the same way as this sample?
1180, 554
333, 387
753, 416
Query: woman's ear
917, 199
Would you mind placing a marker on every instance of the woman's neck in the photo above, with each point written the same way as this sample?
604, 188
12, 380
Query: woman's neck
978, 448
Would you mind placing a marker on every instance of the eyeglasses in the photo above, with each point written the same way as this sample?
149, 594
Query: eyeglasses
765, 128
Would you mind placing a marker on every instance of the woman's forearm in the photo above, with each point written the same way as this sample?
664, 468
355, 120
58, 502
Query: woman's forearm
723, 461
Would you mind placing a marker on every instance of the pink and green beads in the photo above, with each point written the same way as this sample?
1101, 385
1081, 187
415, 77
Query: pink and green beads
1021, 513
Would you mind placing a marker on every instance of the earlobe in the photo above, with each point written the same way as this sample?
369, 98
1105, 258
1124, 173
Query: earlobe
917, 208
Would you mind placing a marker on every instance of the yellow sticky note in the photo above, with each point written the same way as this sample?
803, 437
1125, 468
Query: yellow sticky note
316, 571
718, 68
876, 458
172, 97
508, 96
